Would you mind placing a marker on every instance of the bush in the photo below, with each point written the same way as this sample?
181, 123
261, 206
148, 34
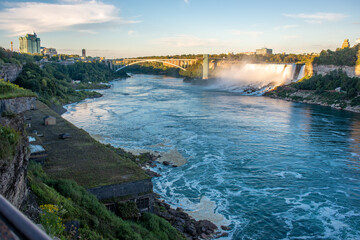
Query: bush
51, 220
9, 139
128, 210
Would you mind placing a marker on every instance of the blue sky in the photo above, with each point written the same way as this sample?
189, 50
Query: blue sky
129, 28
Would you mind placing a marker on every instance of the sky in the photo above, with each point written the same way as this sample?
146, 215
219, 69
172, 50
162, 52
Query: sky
132, 28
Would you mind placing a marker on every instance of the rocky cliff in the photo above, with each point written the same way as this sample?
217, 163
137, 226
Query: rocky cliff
325, 69
13, 168
9, 71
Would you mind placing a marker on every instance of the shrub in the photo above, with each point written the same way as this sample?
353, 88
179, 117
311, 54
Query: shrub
128, 210
51, 220
9, 139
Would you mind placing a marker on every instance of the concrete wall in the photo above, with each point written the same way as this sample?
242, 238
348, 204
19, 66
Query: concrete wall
131, 189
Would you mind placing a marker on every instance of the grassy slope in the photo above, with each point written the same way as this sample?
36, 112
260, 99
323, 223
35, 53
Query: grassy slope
96, 222
80, 158
9, 90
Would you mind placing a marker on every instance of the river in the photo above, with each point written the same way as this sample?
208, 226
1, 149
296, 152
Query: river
270, 169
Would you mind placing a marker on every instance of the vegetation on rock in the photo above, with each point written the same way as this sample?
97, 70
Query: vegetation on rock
9, 139
340, 57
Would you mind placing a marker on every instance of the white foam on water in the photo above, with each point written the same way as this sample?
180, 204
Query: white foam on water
332, 217
206, 210
283, 174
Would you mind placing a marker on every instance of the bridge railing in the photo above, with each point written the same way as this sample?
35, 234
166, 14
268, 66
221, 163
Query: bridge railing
15, 225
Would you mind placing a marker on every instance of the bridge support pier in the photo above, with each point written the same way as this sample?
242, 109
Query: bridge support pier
206, 66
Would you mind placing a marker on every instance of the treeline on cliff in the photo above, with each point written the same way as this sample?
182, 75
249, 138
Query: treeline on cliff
193, 71
331, 81
340, 57
53, 82
7, 56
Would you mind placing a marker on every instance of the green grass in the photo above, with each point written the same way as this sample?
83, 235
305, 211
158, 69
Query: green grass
96, 222
80, 158
10, 90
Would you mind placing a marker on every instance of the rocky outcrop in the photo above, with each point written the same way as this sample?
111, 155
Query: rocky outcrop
13, 169
192, 229
10, 71
17, 105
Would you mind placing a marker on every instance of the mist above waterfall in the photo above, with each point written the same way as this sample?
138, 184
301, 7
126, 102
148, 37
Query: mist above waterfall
252, 78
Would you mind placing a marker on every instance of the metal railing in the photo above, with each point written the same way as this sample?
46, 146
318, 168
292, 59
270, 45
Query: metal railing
13, 222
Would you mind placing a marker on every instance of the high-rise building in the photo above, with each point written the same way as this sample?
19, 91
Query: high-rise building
29, 44
83, 53
263, 51
346, 44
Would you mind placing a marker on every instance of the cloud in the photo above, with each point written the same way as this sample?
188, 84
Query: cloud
186, 41
77, 15
356, 23
186, 1
319, 17
251, 34
284, 27
132, 33
288, 37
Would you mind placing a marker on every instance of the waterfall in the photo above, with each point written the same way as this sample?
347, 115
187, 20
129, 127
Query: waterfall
254, 78
301, 73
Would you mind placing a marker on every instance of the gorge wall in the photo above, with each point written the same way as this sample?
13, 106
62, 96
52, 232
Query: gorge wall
9, 71
325, 69
13, 170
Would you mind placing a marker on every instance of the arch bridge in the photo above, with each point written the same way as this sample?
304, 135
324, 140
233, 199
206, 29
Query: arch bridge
178, 63
120, 64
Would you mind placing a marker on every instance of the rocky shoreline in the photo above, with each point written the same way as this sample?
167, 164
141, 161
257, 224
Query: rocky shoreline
310, 97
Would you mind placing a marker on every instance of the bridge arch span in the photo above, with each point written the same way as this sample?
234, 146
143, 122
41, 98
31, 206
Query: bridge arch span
150, 60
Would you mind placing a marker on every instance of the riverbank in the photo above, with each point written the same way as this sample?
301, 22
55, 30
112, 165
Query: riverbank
183, 221
327, 98
67, 161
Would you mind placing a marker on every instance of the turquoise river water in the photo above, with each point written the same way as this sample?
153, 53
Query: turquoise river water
270, 169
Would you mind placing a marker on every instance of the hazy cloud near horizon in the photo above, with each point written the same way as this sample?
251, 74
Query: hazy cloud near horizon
77, 15
317, 18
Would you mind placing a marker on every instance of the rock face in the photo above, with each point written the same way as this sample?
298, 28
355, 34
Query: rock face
13, 170
17, 105
9, 71
325, 69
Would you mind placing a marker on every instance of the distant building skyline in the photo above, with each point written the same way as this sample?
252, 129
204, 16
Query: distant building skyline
49, 51
264, 51
30, 43
116, 29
